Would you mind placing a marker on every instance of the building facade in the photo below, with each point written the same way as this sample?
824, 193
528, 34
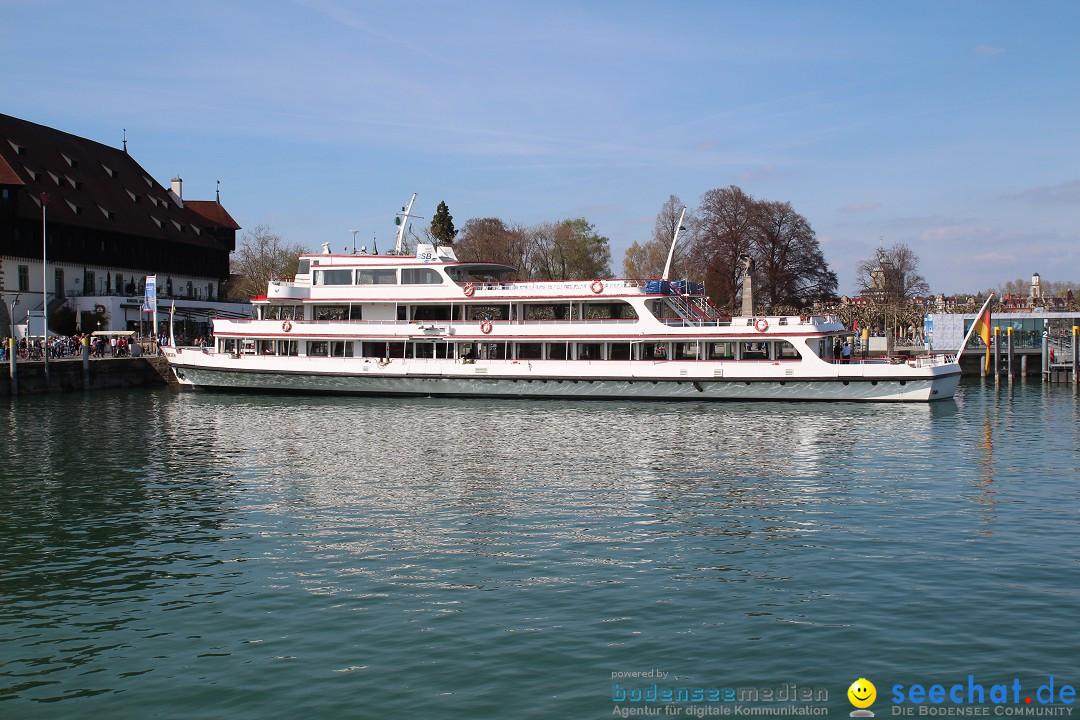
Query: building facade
107, 226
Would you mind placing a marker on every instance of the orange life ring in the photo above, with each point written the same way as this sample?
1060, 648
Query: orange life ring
468, 290
485, 327
286, 326
597, 286
762, 325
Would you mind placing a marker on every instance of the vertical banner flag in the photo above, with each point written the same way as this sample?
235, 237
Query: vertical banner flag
982, 328
150, 299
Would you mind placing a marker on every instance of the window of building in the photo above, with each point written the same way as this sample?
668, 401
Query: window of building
24, 278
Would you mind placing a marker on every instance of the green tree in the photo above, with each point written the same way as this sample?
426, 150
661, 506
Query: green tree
260, 256
442, 226
891, 278
570, 250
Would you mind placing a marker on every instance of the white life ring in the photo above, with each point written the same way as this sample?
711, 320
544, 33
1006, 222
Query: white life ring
597, 286
99, 309
468, 290
485, 327
762, 325
286, 326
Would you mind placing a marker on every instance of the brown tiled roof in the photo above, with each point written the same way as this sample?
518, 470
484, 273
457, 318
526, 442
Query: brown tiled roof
93, 185
7, 175
213, 212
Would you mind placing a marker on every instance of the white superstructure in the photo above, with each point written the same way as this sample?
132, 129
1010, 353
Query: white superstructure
428, 324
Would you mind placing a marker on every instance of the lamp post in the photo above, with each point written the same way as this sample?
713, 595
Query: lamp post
44, 292
12, 348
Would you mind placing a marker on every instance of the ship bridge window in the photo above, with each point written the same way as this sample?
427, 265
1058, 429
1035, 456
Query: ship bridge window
376, 277
333, 277
420, 276
304, 267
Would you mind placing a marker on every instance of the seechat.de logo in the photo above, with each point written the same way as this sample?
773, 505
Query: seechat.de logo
862, 694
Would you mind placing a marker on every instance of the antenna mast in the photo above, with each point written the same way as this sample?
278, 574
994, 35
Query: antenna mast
401, 219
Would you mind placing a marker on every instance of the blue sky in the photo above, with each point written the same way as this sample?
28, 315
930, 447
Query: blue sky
949, 126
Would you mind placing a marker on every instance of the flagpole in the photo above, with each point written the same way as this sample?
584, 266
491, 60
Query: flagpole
972, 328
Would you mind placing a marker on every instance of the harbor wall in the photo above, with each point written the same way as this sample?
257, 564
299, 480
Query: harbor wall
68, 375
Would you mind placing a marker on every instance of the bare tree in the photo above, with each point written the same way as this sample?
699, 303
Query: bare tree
791, 271
260, 256
722, 232
492, 240
891, 279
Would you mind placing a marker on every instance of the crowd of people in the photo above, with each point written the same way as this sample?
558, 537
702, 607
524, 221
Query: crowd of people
70, 346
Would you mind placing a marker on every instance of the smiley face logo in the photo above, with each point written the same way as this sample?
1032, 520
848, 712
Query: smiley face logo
862, 693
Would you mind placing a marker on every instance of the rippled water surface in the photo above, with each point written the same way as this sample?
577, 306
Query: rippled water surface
181, 555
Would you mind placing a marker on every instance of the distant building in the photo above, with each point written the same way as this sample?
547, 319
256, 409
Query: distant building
108, 226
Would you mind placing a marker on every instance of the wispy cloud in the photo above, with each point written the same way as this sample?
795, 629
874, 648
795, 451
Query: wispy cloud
860, 207
1067, 193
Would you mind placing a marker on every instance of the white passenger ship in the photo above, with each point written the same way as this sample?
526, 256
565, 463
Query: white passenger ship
428, 324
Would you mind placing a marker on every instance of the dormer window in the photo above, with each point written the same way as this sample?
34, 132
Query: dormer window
19, 149
107, 213
149, 182
109, 171
74, 208
134, 198
71, 162
159, 223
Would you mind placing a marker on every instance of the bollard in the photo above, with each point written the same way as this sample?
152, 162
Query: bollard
13, 350
1076, 335
86, 363
997, 353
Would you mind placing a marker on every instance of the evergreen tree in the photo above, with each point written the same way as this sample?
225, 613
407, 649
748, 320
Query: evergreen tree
442, 225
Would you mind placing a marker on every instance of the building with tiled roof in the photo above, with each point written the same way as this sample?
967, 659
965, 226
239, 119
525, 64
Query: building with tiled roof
108, 223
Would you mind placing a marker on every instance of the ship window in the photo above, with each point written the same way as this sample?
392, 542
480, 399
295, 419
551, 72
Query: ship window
786, 351
610, 311
333, 277
619, 351
330, 312
376, 277
341, 349
721, 350
529, 351
318, 348
685, 351
420, 276
654, 351
589, 351
304, 268
556, 351
755, 351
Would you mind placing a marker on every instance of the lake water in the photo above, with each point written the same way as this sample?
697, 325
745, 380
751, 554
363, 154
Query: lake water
179, 555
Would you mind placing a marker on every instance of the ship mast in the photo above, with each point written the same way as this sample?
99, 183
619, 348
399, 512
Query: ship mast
401, 220
671, 252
